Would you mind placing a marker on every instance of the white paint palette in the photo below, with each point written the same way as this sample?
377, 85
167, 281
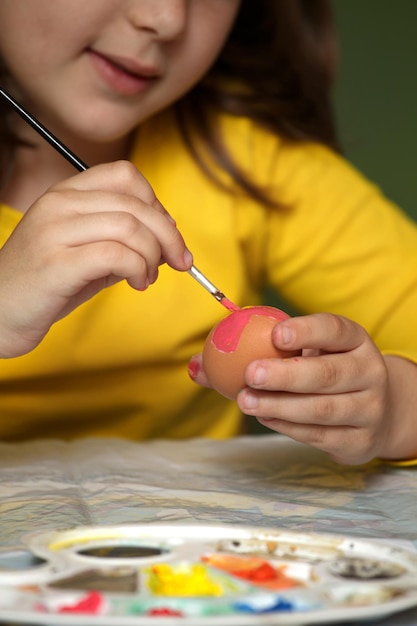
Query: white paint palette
160, 575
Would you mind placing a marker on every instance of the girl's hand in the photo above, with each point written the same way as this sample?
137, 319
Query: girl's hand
84, 234
334, 397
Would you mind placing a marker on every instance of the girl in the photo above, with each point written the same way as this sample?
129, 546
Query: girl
223, 106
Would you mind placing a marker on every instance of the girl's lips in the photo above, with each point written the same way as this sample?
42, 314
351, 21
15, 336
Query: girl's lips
123, 76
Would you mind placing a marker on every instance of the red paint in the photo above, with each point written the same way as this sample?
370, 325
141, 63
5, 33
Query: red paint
164, 612
91, 603
193, 369
229, 305
227, 333
259, 573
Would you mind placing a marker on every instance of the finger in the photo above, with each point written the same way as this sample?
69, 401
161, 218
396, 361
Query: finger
344, 444
324, 374
326, 410
173, 248
121, 227
123, 178
172, 245
101, 260
320, 331
120, 177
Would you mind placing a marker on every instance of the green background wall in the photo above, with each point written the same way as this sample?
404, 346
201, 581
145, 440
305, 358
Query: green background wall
376, 93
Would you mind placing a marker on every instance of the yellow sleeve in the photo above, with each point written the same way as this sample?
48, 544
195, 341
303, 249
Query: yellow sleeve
341, 246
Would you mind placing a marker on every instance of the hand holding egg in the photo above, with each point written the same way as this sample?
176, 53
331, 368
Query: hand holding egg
241, 337
336, 398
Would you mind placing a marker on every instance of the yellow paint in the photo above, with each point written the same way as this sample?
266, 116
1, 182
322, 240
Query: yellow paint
182, 580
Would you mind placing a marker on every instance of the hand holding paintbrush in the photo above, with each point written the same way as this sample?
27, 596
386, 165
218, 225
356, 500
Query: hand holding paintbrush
81, 167
82, 235
109, 227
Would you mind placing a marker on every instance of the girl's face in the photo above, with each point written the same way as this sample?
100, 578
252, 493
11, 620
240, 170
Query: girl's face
96, 68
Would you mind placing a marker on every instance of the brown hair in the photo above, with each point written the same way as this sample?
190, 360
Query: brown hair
276, 68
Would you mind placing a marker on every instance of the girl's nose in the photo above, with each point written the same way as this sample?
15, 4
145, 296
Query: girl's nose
166, 19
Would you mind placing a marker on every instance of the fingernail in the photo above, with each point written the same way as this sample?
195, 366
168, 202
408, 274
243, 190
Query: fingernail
193, 369
144, 288
188, 257
250, 400
287, 335
154, 277
260, 375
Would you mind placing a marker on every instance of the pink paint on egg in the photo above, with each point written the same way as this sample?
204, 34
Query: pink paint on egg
243, 336
227, 334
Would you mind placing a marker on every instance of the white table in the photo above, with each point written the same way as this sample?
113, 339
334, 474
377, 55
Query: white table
261, 480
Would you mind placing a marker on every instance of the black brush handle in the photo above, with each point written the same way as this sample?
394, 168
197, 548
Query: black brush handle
44, 132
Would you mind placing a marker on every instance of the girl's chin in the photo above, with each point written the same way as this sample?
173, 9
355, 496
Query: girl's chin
94, 128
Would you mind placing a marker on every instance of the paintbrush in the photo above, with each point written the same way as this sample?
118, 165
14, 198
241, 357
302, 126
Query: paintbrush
81, 167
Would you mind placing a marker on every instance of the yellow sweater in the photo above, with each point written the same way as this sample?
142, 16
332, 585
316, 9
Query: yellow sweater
117, 366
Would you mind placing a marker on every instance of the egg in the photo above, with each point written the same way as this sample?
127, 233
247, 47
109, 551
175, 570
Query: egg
238, 339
